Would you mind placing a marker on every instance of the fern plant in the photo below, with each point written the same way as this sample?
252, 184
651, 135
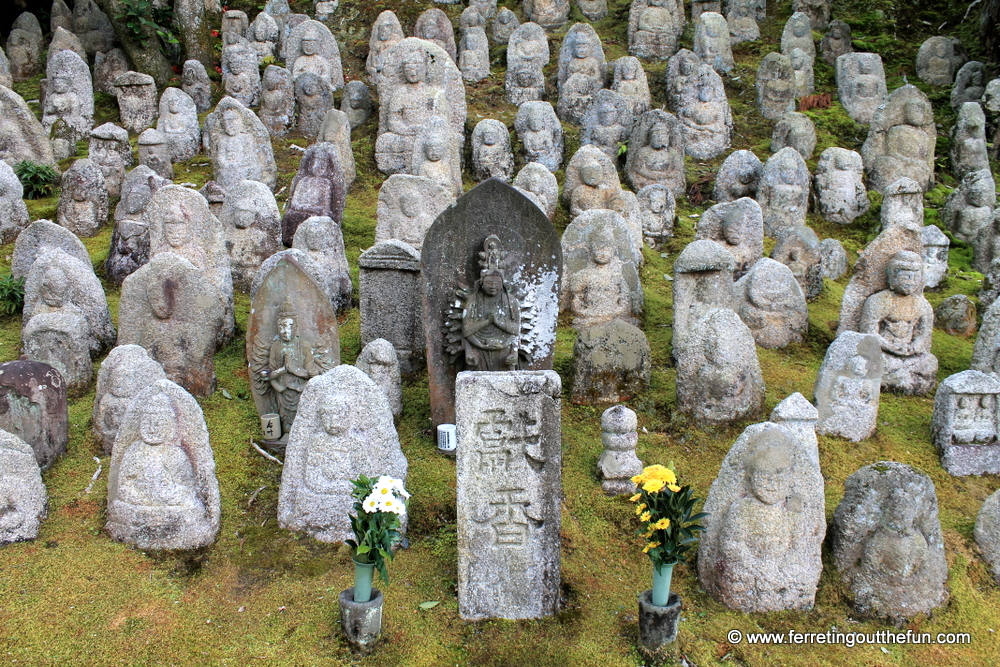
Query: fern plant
11, 295
39, 180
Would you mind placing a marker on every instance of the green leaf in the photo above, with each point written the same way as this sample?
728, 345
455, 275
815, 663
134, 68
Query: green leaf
363, 549
429, 604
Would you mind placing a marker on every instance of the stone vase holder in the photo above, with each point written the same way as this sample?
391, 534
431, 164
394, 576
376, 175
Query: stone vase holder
361, 621
657, 625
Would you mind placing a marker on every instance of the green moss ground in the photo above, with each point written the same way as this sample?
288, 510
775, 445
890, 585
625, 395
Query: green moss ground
262, 595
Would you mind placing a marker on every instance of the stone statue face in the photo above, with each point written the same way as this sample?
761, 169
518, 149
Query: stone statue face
331, 418
591, 174
799, 29
54, 288
657, 201
659, 136
799, 59
409, 205
581, 49
687, 67
430, 30
190, 78
174, 105
175, 228
769, 474
315, 238
704, 91
434, 148
525, 78
607, 114
310, 45
731, 231
865, 67
160, 300
629, 70
157, 425
492, 284
905, 279
286, 329
414, 69
601, 248
490, 137
61, 85
232, 124
858, 366
535, 121
898, 513
915, 113
941, 49
243, 216
384, 31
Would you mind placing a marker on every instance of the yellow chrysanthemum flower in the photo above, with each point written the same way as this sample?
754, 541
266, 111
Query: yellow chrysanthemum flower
652, 485
640, 507
674, 488
646, 517
662, 524
635, 497
648, 534
639, 479
651, 545
662, 473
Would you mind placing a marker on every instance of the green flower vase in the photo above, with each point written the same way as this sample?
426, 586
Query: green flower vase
661, 584
363, 574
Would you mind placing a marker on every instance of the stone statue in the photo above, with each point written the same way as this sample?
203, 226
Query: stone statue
490, 318
903, 320
281, 367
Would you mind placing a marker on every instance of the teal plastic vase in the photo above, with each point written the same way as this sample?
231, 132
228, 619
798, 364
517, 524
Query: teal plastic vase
363, 574
661, 584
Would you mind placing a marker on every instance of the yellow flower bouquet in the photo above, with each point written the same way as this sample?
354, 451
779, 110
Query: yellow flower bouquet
669, 523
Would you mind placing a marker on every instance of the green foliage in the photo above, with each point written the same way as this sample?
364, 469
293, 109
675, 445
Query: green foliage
376, 532
141, 18
11, 295
39, 180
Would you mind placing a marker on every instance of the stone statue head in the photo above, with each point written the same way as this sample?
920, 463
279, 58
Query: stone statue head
335, 416
857, 366
55, 287
657, 200
232, 123
316, 238
525, 78
769, 466
591, 173
492, 282
175, 226
244, 214
800, 28
434, 147
286, 322
161, 298
489, 136
409, 205
414, 67
941, 48
800, 59
629, 70
581, 49
61, 84
659, 136
607, 114
905, 273
732, 226
899, 512
601, 243
536, 121
384, 31
158, 424
310, 41
915, 113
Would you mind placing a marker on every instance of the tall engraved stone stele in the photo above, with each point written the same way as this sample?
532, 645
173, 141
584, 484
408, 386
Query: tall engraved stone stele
291, 337
491, 269
509, 494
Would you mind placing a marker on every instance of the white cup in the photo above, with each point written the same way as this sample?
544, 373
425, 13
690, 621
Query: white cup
270, 424
447, 438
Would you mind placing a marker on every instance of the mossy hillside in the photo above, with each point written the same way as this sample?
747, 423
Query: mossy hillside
262, 595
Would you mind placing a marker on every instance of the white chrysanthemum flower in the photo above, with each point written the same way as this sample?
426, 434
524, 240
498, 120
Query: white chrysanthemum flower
370, 505
397, 485
390, 504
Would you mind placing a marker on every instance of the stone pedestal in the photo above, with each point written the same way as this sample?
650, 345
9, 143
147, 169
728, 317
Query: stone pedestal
657, 625
361, 621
